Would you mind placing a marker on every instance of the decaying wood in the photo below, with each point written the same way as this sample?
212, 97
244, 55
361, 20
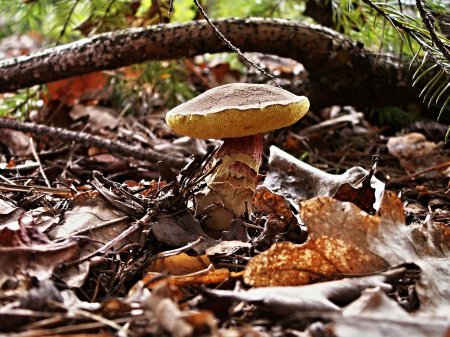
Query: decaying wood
341, 71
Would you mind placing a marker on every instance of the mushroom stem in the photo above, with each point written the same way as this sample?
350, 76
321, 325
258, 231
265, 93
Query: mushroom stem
240, 160
231, 187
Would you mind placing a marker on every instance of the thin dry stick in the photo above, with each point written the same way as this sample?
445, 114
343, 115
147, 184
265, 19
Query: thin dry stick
59, 192
233, 47
38, 160
6, 179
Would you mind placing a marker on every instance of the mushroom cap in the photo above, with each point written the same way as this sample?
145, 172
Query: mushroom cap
237, 110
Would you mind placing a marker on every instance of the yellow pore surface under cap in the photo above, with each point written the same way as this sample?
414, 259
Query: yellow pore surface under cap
224, 120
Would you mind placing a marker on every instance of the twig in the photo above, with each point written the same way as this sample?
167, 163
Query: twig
93, 31
62, 192
426, 18
84, 138
87, 314
232, 46
36, 157
6, 179
102, 250
66, 22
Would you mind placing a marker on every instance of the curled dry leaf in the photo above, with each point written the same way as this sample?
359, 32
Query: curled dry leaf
298, 181
337, 244
207, 276
179, 264
325, 296
17, 228
375, 314
415, 153
237, 232
265, 200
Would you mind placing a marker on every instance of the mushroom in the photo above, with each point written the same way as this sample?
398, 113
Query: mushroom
238, 113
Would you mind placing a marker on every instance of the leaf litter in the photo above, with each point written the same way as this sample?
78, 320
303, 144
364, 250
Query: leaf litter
324, 253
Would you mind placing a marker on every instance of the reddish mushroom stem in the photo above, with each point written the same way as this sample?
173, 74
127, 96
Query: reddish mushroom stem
241, 158
231, 187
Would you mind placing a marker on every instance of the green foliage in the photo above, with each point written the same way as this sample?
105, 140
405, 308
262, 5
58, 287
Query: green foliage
286, 9
165, 81
184, 11
20, 104
395, 117
401, 28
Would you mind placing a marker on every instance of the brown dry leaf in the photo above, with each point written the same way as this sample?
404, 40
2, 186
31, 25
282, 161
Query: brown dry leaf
17, 141
89, 215
174, 321
179, 230
337, 244
179, 264
17, 228
362, 196
208, 276
21, 264
298, 181
344, 239
415, 153
77, 88
265, 200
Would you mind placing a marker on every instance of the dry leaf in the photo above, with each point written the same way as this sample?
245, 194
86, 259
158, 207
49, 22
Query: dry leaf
74, 89
298, 181
16, 141
179, 230
179, 264
100, 118
344, 239
325, 296
265, 200
208, 276
375, 314
337, 244
415, 153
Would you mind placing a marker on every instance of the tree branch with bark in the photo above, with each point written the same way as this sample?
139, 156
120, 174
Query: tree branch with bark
340, 70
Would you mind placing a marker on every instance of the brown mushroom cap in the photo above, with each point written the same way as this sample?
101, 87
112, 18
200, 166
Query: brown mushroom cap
237, 110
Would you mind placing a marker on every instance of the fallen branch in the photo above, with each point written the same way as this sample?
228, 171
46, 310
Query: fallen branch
340, 70
84, 138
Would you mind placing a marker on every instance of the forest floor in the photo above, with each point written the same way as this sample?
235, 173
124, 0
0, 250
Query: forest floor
351, 240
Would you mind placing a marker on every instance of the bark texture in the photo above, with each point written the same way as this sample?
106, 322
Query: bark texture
341, 71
